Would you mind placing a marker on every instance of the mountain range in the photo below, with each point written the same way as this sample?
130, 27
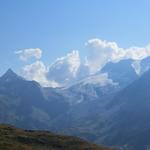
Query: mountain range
109, 107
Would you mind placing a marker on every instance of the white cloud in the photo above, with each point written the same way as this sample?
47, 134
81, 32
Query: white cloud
71, 60
26, 54
101, 52
38, 72
61, 71
65, 69
69, 68
137, 53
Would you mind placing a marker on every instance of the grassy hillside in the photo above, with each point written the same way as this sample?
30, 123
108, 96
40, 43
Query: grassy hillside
12, 138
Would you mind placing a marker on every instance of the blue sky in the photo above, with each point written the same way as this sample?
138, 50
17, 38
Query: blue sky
59, 26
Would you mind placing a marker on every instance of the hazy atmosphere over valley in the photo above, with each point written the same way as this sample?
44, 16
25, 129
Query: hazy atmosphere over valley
74, 75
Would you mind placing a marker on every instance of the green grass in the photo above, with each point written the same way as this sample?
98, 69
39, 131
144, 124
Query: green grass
12, 138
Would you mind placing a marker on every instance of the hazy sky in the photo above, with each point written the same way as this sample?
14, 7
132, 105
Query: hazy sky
60, 26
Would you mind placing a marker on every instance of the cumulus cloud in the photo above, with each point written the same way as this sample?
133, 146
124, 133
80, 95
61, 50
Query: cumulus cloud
71, 67
37, 71
26, 54
65, 69
101, 52
71, 60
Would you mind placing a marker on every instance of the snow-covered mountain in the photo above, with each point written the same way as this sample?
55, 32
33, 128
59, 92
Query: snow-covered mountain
90, 88
93, 107
71, 69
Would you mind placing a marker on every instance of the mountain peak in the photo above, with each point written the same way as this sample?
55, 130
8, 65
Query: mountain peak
10, 71
10, 75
